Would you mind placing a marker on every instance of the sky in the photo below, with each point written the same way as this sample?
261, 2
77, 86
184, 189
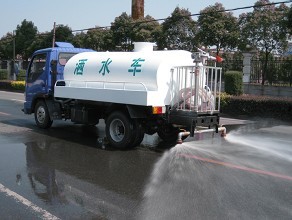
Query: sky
82, 14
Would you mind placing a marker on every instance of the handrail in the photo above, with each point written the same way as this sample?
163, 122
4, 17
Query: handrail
104, 84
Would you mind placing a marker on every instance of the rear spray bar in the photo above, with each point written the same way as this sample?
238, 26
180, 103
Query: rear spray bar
187, 133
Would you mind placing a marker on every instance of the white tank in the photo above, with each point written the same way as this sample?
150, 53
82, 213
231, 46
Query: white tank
142, 77
150, 68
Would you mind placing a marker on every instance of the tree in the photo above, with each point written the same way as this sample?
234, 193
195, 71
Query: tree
218, 28
98, 39
63, 33
41, 41
122, 31
108, 40
264, 29
45, 40
146, 30
79, 40
289, 18
24, 37
125, 31
6, 46
179, 30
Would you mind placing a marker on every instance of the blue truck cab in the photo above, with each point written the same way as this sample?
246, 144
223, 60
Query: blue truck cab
45, 68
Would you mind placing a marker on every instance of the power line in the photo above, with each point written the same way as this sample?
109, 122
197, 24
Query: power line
193, 15
248, 7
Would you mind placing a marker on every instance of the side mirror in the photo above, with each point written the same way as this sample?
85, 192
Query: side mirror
54, 66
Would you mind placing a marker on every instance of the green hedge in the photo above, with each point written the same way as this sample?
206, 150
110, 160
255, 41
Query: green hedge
20, 76
233, 83
12, 85
258, 106
3, 74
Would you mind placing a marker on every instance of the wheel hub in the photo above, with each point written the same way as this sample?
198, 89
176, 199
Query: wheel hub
41, 114
117, 130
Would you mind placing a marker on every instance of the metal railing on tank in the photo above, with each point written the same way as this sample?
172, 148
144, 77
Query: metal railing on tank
196, 88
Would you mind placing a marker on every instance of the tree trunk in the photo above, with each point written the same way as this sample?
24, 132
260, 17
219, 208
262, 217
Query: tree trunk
217, 50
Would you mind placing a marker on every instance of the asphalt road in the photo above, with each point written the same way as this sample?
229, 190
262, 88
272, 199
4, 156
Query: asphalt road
61, 173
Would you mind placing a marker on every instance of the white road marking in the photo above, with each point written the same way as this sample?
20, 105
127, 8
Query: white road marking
18, 100
9, 129
3, 113
45, 214
11, 95
14, 93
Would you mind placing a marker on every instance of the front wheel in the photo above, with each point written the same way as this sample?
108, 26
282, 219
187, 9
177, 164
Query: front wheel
120, 130
42, 116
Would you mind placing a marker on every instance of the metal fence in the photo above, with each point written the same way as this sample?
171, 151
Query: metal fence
7, 69
279, 72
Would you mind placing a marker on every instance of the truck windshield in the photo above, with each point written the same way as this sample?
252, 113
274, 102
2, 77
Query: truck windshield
64, 57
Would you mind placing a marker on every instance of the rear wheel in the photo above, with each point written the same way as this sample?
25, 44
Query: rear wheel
42, 116
139, 134
120, 130
168, 133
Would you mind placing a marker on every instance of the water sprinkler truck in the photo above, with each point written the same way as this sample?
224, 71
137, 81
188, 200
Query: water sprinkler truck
170, 92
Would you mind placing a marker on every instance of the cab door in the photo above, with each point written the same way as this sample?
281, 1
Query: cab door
36, 79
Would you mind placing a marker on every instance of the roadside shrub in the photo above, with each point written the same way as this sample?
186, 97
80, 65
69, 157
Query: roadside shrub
18, 85
259, 106
21, 75
3, 74
224, 99
12, 85
233, 83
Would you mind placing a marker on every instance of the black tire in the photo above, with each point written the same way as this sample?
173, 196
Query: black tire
168, 133
139, 134
42, 116
120, 130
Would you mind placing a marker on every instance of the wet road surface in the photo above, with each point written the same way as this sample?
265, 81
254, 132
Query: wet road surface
60, 173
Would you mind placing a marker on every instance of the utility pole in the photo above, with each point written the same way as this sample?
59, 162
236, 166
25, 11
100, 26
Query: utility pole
13, 62
137, 9
54, 35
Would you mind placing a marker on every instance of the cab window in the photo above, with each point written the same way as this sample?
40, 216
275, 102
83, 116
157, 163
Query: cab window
64, 57
37, 67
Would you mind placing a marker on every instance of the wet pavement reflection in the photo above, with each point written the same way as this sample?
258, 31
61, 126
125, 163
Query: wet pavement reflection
106, 183
245, 176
